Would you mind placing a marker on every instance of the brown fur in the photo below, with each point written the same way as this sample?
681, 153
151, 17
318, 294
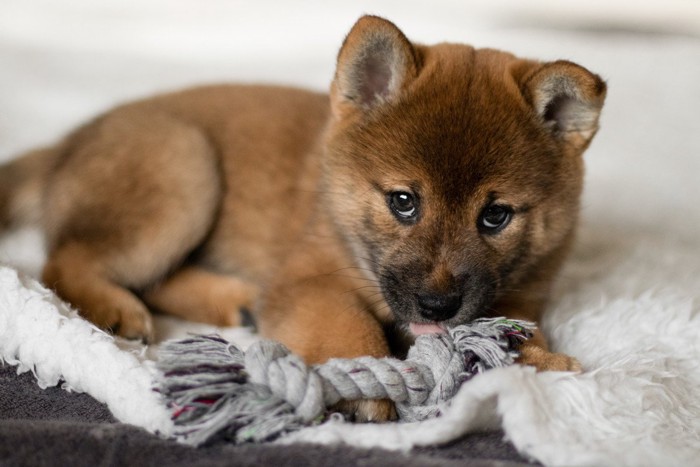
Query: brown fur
194, 202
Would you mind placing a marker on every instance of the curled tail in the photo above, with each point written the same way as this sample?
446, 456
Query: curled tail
21, 186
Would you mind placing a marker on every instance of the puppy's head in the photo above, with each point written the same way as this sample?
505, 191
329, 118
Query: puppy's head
454, 173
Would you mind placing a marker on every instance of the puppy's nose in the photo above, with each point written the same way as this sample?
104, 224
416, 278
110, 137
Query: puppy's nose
439, 307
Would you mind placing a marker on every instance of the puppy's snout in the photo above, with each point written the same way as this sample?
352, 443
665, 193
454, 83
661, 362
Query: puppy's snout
439, 307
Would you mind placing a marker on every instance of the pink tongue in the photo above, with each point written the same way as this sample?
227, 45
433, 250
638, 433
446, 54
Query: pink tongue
420, 329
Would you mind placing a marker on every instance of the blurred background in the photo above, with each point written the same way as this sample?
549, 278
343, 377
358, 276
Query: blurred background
63, 61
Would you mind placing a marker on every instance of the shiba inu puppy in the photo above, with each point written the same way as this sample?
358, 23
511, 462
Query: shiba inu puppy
433, 185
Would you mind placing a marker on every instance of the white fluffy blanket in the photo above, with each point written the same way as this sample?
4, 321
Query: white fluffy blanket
628, 300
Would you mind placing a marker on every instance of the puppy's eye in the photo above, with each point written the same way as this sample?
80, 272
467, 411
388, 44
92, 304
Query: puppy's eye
404, 205
495, 218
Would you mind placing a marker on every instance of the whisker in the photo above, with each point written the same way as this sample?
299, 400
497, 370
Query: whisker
369, 308
361, 288
350, 277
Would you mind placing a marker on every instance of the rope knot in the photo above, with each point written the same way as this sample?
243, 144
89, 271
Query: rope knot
214, 389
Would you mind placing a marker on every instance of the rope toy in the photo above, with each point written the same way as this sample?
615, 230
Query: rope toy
216, 391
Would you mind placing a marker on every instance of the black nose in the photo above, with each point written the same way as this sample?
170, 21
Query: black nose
439, 307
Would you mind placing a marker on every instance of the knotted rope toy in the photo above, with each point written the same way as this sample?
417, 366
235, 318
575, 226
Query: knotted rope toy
216, 391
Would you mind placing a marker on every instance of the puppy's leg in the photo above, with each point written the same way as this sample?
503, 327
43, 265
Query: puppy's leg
528, 304
535, 352
133, 194
80, 277
320, 318
197, 294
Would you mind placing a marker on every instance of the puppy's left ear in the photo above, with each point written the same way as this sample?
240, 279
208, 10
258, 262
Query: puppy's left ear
568, 98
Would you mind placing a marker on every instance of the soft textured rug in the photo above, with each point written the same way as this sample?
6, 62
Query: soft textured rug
628, 300
637, 402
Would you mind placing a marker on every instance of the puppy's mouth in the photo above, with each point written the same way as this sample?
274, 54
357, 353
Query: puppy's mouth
419, 329
434, 316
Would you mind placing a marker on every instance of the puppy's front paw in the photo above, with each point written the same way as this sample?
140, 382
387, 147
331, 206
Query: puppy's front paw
543, 360
129, 322
369, 410
136, 325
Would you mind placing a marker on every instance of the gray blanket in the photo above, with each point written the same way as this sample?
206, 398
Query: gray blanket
54, 427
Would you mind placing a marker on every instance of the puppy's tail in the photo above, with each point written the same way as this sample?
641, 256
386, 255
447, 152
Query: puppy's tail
21, 187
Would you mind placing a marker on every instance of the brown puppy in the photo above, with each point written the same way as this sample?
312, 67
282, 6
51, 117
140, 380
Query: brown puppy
435, 185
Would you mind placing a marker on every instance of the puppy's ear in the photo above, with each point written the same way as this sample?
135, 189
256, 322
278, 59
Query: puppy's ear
375, 63
568, 98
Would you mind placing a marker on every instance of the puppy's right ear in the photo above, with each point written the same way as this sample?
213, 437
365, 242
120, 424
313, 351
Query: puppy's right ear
375, 63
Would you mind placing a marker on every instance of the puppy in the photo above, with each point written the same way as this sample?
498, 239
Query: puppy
432, 186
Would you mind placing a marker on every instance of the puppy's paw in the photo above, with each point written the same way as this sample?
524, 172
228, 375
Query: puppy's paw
129, 322
370, 410
543, 360
136, 325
